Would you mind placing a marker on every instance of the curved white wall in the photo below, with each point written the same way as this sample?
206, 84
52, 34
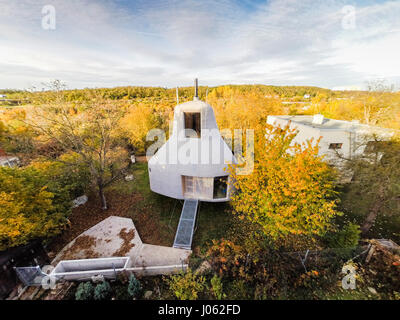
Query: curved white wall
206, 156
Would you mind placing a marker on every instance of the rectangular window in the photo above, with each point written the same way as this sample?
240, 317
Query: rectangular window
220, 187
335, 146
192, 122
197, 187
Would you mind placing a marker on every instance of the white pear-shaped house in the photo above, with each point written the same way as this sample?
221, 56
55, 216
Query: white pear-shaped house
193, 163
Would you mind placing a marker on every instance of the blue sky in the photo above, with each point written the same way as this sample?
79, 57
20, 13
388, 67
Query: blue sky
167, 43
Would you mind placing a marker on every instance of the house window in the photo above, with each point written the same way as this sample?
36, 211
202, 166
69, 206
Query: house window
335, 146
220, 187
197, 187
192, 122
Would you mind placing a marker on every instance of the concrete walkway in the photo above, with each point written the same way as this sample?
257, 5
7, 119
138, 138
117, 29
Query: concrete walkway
118, 237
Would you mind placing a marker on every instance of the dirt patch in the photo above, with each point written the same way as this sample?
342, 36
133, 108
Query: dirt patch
59, 293
150, 229
83, 244
141, 159
127, 245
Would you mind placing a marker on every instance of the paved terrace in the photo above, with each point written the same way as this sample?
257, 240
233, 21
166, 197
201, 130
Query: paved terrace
118, 237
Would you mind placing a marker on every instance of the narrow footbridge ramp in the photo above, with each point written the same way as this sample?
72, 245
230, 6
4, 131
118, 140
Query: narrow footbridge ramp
184, 234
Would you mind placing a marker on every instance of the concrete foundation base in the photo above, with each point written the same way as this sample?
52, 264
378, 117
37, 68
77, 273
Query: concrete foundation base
112, 239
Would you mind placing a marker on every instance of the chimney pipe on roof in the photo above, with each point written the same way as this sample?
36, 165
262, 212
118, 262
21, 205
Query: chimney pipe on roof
196, 89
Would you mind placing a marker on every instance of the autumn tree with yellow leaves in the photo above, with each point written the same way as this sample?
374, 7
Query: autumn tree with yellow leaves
15, 135
235, 109
28, 209
138, 121
291, 190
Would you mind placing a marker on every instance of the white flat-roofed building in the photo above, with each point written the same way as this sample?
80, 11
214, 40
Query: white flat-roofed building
349, 138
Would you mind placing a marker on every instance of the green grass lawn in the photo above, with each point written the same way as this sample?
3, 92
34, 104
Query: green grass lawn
213, 220
356, 207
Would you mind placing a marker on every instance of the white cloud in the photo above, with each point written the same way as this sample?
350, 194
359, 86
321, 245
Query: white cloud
167, 43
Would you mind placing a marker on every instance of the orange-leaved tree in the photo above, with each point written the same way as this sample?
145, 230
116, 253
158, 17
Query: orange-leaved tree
291, 190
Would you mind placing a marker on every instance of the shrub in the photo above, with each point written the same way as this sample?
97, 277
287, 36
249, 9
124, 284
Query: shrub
216, 287
186, 286
121, 293
84, 291
240, 290
65, 174
134, 287
102, 291
347, 237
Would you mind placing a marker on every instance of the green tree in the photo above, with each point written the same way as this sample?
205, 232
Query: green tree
347, 236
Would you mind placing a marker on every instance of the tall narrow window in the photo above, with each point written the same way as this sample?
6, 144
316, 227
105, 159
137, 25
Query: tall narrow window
192, 121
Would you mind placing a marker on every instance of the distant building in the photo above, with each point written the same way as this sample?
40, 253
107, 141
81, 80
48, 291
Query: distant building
3, 96
8, 161
349, 138
306, 96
